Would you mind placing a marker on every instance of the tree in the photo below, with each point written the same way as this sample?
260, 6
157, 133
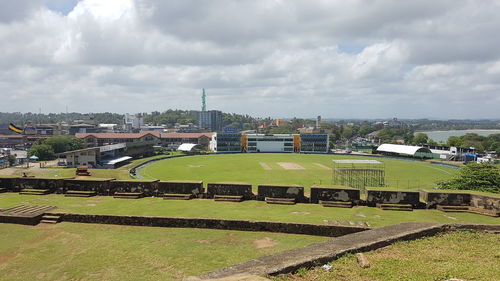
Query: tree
474, 176
11, 159
421, 138
64, 143
42, 151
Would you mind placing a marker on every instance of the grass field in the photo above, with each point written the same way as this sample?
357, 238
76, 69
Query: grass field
461, 255
247, 210
71, 251
265, 168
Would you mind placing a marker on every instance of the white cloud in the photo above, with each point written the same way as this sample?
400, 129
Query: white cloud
278, 58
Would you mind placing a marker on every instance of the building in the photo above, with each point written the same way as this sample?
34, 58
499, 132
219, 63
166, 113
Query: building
314, 143
100, 139
82, 128
226, 142
270, 143
406, 151
210, 120
236, 142
131, 122
189, 128
174, 140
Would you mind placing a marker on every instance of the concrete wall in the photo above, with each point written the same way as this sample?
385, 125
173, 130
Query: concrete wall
334, 194
148, 188
235, 189
102, 187
281, 191
485, 202
432, 199
392, 197
181, 187
54, 185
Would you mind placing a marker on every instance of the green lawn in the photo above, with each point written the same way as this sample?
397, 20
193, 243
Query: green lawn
247, 210
461, 255
249, 168
71, 251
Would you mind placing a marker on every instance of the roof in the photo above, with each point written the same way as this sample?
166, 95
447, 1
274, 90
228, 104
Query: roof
402, 149
118, 135
186, 135
350, 161
187, 146
118, 160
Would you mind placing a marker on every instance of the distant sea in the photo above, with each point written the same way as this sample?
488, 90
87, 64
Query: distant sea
442, 136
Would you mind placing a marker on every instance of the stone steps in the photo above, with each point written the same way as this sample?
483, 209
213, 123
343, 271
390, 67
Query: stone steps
79, 193
445, 208
281, 201
173, 196
128, 195
52, 219
228, 198
395, 207
34, 191
338, 204
486, 212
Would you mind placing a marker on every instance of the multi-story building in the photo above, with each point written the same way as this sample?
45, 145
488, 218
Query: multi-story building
210, 120
100, 139
226, 142
235, 142
314, 143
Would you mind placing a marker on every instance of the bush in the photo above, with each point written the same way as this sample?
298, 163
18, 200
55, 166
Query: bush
480, 177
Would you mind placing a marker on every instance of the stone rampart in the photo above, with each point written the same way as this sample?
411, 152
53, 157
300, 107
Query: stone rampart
232, 189
53, 185
392, 197
100, 186
434, 198
485, 202
281, 191
9, 183
242, 225
181, 187
148, 188
334, 194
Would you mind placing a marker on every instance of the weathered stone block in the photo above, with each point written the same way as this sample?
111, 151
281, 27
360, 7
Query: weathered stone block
53, 185
324, 193
485, 202
147, 188
181, 187
432, 198
231, 189
281, 191
100, 186
9, 183
392, 197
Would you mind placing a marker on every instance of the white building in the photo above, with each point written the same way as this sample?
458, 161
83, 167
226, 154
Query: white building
133, 121
270, 143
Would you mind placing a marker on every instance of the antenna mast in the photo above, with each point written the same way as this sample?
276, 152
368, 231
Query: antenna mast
203, 102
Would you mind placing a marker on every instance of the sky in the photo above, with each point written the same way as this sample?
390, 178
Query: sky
278, 58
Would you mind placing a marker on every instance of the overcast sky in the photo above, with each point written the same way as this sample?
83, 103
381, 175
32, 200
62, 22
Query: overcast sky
338, 59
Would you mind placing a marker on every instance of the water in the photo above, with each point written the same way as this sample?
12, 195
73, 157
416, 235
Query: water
442, 136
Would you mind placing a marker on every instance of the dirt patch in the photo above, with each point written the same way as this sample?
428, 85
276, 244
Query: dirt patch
196, 166
301, 213
265, 242
323, 166
265, 166
91, 205
290, 166
203, 241
6, 257
360, 215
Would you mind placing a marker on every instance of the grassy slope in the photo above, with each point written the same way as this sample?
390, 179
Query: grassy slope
248, 210
462, 255
246, 168
68, 251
